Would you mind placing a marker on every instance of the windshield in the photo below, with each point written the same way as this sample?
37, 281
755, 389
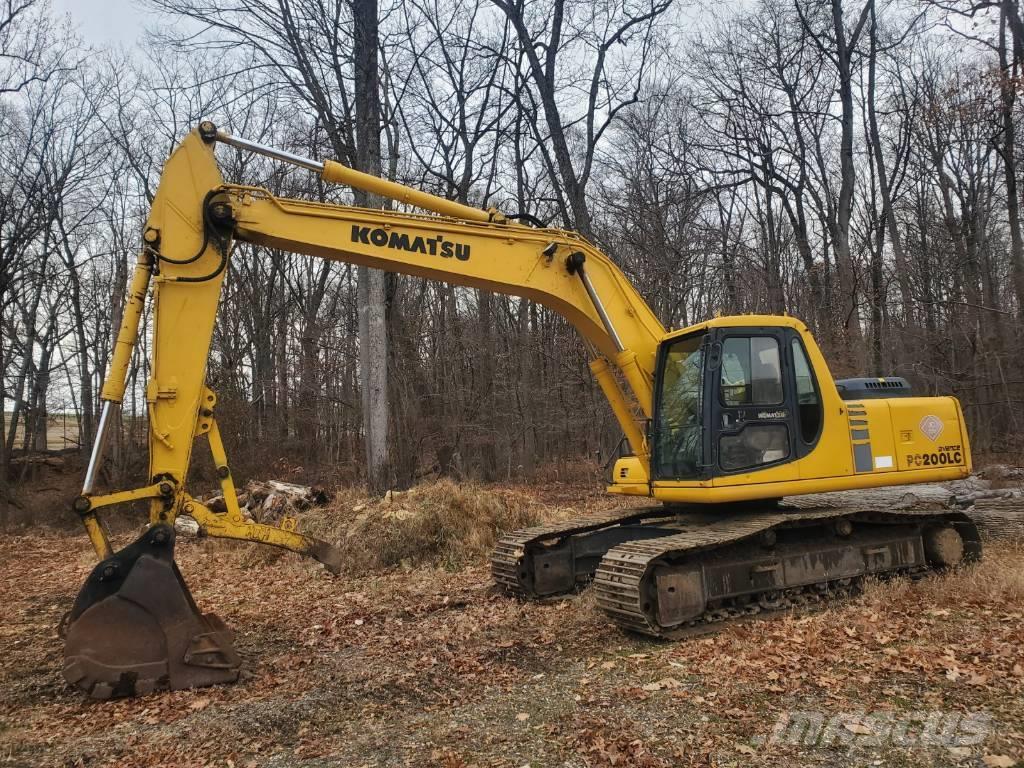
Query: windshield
679, 438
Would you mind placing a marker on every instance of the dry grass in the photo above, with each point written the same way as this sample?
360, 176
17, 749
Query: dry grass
439, 523
997, 579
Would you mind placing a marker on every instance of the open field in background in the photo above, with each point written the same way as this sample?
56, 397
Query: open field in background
422, 664
61, 431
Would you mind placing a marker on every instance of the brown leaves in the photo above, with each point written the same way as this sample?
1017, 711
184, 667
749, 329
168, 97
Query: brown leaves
858, 728
440, 665
664, 684
618, 750
999, 761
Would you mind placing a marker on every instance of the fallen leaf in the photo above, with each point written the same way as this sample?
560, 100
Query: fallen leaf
857, 728
999, 761
661, 685
198, 704
523, 717
743, 749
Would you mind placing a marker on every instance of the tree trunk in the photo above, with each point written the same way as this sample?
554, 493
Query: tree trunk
373, 340
849, 320
888, 216
1008, 95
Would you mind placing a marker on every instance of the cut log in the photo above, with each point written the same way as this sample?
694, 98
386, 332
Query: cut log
298, 495
217, 504
1001, 472
966, 499
183, 524
270, 500
999, 518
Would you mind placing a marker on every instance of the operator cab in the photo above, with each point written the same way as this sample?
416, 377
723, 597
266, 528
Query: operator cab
733, 399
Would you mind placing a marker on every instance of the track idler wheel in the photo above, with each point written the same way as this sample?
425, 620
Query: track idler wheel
943, 546
135, 629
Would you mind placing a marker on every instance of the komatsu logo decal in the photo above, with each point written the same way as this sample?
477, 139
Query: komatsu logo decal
399, 241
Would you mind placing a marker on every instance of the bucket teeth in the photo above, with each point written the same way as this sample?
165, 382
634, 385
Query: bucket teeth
135, 628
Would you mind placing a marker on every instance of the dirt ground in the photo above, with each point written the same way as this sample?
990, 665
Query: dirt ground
428, 666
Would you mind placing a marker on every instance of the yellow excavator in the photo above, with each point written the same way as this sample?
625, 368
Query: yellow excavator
729, 423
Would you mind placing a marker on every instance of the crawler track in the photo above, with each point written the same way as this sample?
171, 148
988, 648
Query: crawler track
514, 551
673, 575
626, 588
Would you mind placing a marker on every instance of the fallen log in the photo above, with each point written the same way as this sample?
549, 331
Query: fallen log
999, 518
267, 501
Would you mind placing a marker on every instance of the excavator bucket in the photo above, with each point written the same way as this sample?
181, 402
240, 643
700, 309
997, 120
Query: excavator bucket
134, 627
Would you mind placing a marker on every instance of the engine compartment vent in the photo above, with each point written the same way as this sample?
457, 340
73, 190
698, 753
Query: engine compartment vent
864, 387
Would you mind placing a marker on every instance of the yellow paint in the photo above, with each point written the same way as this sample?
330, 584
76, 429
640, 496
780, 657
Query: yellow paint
766, 488
503, 258
629, 477
620, 407
336, 173
97, 536
235, 526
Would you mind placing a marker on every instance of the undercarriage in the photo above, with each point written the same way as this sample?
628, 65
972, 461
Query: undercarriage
676, 571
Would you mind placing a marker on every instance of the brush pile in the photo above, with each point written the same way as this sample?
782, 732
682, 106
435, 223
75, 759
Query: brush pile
441, 523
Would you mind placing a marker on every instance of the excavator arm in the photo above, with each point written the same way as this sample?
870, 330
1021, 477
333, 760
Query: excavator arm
194, 220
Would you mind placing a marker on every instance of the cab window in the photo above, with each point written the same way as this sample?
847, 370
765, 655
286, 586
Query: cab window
751, 371
807, 397
678, 422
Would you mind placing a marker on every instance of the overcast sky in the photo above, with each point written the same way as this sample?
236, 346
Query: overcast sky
103, 22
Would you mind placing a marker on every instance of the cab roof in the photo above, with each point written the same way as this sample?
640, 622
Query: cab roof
744, 321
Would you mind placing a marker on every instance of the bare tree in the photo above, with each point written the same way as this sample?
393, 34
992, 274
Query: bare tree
560, 54
26, 52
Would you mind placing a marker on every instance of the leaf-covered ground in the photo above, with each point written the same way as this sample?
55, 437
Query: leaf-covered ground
428, 666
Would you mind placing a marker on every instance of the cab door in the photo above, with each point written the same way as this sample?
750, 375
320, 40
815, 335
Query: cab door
752, 406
